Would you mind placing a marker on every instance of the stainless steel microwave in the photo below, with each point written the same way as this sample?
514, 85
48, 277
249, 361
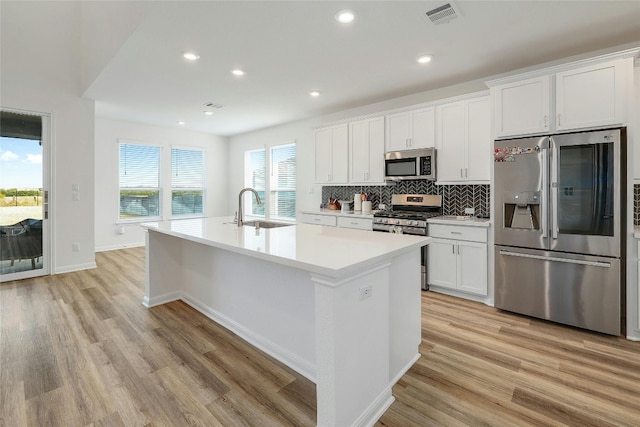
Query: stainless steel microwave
410, 164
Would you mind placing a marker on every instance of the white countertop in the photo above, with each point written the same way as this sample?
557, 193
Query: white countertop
467, 221
338, 212
330, 251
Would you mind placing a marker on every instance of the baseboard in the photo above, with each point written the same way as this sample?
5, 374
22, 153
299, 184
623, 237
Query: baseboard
376, 409
116, 247
77, 267
406, 368
272, 349
161, 299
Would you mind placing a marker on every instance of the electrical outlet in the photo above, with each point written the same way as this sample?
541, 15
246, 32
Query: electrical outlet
365, 292
469, 211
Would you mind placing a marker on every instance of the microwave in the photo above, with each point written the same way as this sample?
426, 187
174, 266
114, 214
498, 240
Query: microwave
410, 164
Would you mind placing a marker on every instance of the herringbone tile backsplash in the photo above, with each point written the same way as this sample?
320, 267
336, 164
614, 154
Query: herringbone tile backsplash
636, 204
455, 198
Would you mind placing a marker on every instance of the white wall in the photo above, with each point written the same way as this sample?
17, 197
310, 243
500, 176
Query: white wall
41, 74
308, 193
108, 132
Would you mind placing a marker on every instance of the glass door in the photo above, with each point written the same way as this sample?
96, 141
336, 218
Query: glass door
24, 196
586, 199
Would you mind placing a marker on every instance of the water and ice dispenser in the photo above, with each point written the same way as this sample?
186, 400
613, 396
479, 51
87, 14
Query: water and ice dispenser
522, 210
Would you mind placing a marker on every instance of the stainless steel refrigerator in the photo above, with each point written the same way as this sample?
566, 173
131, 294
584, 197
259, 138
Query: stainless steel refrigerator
559, 243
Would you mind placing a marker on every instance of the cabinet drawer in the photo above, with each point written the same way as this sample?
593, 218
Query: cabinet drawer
475, 234
318, 219
359, 223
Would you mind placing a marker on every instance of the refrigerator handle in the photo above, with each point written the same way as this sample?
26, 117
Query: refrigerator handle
545, 193
554, 188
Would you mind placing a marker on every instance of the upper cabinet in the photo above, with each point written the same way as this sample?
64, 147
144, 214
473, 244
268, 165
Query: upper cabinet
366, 151
411, 129
521, 108
591, 96
332, 154
581, 95
464, 141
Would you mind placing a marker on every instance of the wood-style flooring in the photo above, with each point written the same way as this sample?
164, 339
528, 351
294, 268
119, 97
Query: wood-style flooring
79, 349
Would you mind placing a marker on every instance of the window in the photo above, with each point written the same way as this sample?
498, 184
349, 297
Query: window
187, 181
276, 186
139, 181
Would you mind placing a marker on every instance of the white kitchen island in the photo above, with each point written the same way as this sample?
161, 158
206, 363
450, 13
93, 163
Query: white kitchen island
339, 306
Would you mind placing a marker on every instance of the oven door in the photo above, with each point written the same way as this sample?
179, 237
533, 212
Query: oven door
401, 168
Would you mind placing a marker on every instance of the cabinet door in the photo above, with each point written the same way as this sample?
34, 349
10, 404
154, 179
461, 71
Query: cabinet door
423, 128
591, 96
479, 155
376, 150
323, 155
522, 107
451, 141
472, 267
398, 131
359, 151
441, 265
339, 154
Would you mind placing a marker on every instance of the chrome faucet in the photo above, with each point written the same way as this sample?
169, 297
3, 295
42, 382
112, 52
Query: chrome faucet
240, 204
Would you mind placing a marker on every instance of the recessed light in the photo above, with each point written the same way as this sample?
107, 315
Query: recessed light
237, 72
191, 56
314, 93
423, 59
180, 122
345, 16
208, 113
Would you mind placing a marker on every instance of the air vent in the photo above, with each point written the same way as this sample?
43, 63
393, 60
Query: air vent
212, 105
442, 14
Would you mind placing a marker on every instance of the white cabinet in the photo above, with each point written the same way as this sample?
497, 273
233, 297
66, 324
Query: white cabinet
457, 258
366, 146
332, 153
578, 96
337, 220
411, 130
353, 222
522, 107
591, 96
464, 141
318, 219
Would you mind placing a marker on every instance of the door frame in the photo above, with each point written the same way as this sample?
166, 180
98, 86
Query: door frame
47, 183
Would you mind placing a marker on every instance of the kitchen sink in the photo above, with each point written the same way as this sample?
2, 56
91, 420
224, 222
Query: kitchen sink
266, 224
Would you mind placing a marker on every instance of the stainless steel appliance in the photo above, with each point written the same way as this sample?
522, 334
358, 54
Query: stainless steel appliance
559, 247
408, 215
410, 164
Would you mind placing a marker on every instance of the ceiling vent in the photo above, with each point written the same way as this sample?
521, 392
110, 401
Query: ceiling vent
443, 14
212, 105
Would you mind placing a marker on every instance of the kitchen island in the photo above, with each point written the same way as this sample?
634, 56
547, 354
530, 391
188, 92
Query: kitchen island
339, 306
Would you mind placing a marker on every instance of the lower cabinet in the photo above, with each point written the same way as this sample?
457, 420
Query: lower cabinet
336, 220
457, 258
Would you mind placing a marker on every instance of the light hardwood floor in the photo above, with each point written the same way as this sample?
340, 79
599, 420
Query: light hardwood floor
79, 349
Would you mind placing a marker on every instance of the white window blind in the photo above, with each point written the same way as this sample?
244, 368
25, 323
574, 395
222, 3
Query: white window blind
275, 184
187, 181
282, 185
256, 178
139, 181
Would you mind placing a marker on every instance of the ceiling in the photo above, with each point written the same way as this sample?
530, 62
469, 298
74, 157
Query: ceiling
290, 48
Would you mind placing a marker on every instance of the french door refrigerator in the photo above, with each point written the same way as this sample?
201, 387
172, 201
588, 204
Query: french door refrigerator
559, 248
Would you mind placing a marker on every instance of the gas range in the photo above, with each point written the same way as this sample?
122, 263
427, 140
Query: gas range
409, 214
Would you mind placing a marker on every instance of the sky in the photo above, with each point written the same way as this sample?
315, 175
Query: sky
20, 163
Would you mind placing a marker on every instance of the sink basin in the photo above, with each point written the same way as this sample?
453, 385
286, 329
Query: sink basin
266, 224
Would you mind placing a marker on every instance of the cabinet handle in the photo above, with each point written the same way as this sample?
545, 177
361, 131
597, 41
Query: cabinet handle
466, 173
456, 232
316, 219
546, 121
407, 143
559, 115
458, 249
453, 249
461, 176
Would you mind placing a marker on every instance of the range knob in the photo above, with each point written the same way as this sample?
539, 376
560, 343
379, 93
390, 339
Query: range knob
398, 222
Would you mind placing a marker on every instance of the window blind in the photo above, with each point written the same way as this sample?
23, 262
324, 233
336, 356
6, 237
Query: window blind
187, 181
139, 181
